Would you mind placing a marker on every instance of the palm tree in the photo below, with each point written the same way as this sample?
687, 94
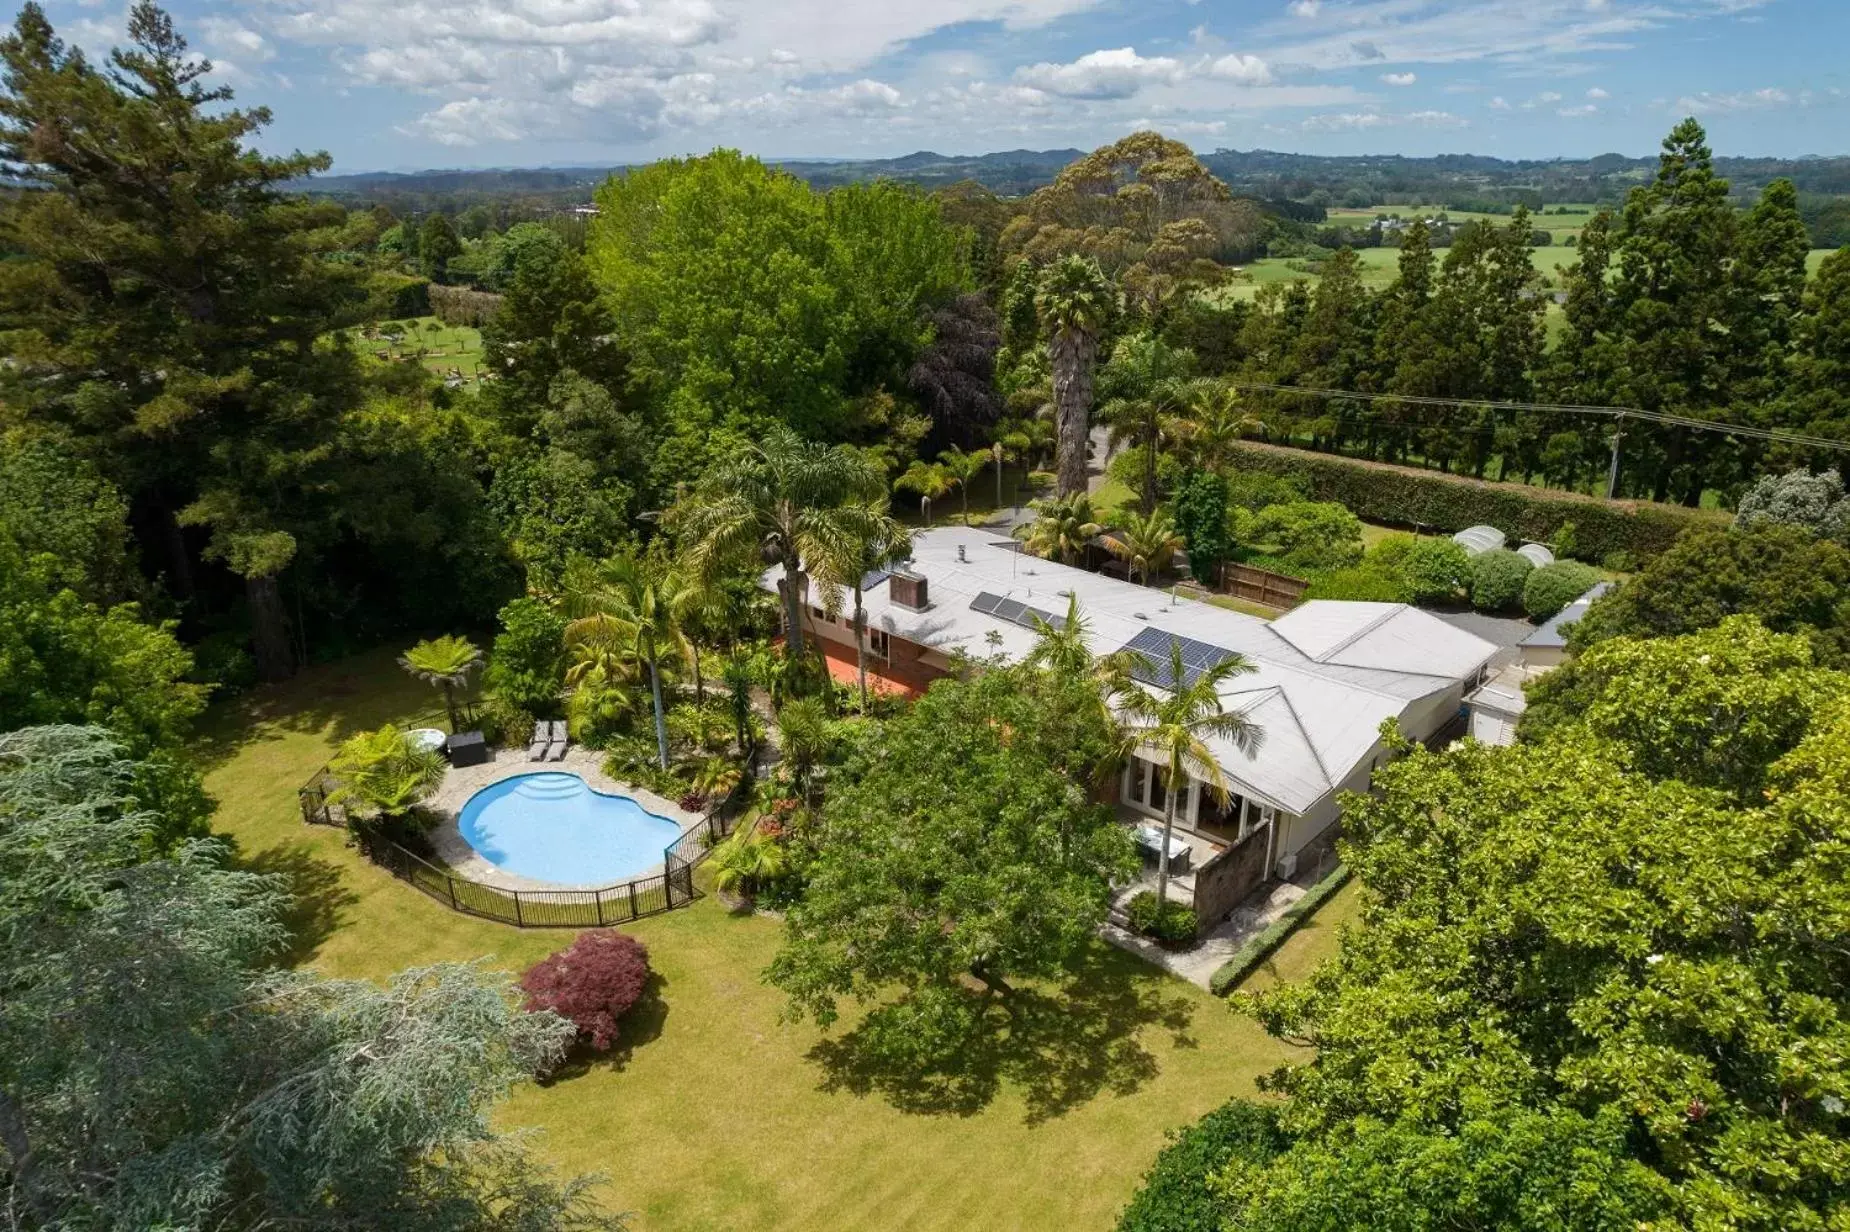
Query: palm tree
745, 860
930, 480
886, 543
1074, 301
383, 773
1065, 526
702, 607
964, 468
1175, 723
446, 662
620, 614
1154, 383
1213, 421
784, 499
1146, 543
803, 737
739, 678
1064, 648
717, 777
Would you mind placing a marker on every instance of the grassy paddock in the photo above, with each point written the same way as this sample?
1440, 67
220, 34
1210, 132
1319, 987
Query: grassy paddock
437, 346
716, 1114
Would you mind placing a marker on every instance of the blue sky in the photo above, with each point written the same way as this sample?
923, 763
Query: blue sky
400, 84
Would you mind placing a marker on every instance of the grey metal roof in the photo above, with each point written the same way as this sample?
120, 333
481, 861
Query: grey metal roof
1325, 676
1553, 633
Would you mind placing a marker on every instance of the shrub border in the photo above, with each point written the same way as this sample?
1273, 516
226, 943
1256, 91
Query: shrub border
1263, 945
1393, 495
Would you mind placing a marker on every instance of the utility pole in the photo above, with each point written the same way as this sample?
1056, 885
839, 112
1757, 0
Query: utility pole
1612, 474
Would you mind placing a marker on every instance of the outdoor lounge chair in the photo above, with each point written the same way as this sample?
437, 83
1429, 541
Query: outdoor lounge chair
556, 750
536, 751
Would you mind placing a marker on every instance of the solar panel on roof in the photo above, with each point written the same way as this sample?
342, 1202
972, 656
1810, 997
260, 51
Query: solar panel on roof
1151, 663
873, 577
1011, 610
986, 603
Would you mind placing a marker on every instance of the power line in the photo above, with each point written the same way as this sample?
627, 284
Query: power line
1616, 412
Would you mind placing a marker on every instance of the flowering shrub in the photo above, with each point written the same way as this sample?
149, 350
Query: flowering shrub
592, 982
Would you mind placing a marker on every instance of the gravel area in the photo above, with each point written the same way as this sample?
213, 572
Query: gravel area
461, 783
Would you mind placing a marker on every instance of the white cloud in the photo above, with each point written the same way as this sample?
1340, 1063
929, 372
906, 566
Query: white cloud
1118, 73
470, 121
1357, 121
1242, 70
1547, 96
1708, 103
1499, 103
681, 74
1577, 112
604, 71
232, 38
862, 97
1596, 94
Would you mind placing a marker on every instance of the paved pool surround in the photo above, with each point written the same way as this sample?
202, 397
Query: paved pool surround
459, 785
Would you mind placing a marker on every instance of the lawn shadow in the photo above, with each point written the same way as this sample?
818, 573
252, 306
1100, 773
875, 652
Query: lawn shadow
317, 897
1061, 1047
336, 700
644, 1024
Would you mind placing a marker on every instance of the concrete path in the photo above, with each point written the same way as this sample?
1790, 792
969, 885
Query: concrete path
1198, 965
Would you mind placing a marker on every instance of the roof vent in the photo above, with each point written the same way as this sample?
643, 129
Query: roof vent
908, 590
1141, 615
961, 558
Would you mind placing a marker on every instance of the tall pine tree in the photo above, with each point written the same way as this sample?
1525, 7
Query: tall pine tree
166, 298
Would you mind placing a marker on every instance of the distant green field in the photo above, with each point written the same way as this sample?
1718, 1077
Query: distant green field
1379, 264
443, 349
1559, 225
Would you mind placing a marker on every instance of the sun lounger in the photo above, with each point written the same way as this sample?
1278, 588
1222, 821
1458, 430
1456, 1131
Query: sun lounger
555, 751
536, 751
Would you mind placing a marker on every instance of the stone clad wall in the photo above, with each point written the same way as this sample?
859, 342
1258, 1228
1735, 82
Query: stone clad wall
1224, 881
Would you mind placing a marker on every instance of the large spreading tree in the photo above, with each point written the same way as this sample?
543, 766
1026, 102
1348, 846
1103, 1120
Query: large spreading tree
960, 849
1599, 981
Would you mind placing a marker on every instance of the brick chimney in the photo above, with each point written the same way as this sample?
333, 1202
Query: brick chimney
908, 590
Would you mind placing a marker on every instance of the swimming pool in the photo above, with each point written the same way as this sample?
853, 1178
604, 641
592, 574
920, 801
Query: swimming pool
554, 827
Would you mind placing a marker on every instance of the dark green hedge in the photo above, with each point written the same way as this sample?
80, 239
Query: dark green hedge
1402, 496
1261, 947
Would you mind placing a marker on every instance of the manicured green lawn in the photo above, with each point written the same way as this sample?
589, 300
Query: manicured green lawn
1113, 497
720, 1116
1314, 940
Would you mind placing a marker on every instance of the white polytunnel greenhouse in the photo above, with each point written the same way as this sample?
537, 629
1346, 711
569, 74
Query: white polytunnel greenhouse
1475, 539
1538, 554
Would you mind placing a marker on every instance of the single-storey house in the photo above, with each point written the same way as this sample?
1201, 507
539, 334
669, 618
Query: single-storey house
1497, 707
1326, 675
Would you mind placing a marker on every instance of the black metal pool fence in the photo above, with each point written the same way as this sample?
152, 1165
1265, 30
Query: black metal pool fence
630, 900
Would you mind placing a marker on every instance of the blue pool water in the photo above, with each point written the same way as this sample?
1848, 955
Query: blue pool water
554, 827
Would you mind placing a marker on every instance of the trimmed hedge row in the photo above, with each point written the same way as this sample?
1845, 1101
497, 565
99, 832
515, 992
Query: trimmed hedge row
1401, 496
1261, 947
